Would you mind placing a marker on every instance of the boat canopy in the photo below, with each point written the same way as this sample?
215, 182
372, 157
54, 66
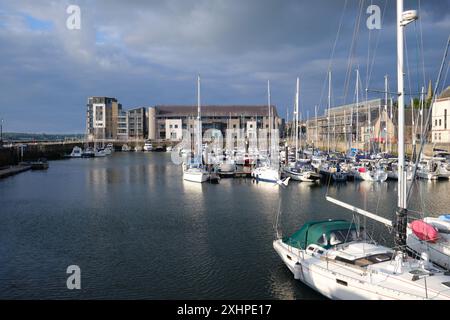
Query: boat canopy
314, 232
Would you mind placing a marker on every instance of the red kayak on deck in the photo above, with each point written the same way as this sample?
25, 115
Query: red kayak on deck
424, 231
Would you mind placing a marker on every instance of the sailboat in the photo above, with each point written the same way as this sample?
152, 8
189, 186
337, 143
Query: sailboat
299, 170
335, 257
266, 171
195, 171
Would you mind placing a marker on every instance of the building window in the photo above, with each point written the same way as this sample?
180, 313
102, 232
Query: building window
445, 118
176, 126
251, 126
234, 126
439, 137
170, 126
440, 122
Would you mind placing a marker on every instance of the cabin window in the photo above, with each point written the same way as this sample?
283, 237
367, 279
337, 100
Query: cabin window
341, 282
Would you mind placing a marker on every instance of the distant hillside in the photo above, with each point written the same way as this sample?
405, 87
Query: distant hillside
18, 136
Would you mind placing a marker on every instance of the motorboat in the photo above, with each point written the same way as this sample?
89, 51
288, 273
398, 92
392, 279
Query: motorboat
148, 146
88, 152
77, 152
428, 170
100, 152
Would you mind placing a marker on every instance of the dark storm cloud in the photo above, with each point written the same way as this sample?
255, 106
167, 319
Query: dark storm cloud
149, 52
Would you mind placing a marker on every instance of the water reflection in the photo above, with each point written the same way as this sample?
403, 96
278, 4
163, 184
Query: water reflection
141, 231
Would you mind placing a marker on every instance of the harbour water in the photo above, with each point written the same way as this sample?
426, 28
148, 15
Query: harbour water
138, 231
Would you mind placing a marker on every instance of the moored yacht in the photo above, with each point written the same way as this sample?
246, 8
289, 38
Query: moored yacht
333, 258
195, 173
77, 152
148, 146
266, 174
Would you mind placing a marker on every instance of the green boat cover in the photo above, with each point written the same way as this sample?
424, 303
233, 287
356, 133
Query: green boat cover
312, 232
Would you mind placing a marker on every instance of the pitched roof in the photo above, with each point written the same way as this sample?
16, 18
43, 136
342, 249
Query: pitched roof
215, 110
445, 94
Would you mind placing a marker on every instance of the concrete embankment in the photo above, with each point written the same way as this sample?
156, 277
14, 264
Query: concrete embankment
12, 170
32, 151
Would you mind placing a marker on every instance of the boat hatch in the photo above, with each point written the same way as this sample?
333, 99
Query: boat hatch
366, 261
418, 272
373, 259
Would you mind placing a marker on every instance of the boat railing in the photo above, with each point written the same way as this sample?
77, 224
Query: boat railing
367, 272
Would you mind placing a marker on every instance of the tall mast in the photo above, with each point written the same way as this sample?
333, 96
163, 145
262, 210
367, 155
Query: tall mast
421, 111
334, 132
386, 111
345, 129
307, 126
401, 214
329, 108
296, 121
357, 108
369, 123
401, 110
391, 115
413, 126
199, 129
317, 127
270, 120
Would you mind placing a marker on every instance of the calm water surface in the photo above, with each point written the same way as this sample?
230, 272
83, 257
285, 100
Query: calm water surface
137, 230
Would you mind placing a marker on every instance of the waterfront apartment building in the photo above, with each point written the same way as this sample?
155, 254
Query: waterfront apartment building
440, 121
166, 122
105, 119
102, 115
122, 125
137, 123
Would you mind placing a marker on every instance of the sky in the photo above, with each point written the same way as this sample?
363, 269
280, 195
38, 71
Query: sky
148, 53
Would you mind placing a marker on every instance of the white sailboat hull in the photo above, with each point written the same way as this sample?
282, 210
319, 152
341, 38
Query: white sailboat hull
338, 282
266, 174
195, 176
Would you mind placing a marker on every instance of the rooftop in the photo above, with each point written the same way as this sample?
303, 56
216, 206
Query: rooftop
216, 110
